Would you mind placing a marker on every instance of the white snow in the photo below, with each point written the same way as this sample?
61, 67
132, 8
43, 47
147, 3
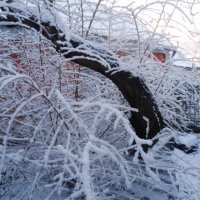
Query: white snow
188, 140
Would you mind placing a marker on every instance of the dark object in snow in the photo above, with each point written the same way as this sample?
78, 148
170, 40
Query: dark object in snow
172, 144
69, 184
186, 149
144, 198
194, 128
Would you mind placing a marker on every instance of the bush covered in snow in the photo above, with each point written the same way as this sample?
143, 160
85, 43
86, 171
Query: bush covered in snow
64, 129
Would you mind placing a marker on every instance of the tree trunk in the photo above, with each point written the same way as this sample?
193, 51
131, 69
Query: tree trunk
148, 121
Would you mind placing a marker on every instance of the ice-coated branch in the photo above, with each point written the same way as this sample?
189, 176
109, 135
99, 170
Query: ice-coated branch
95, 57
